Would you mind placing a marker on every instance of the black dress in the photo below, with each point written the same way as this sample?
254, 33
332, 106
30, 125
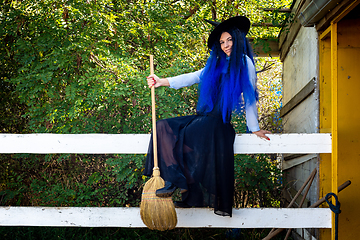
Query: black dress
196, 153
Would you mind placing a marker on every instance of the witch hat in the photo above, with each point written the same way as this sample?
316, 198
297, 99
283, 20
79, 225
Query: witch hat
240, 22
215, 24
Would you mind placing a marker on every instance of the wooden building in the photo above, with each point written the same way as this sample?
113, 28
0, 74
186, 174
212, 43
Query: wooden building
320, 51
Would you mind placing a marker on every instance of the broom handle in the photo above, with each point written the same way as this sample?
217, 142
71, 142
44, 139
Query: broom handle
153, 115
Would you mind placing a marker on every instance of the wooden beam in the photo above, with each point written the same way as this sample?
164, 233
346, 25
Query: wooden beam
295, 11
287, 38
187, 218
263, 25
270, 45
345, 11
325, 34
282, 10
296, 161
298, 98
285, 47
325, 21
288, 157
138, 143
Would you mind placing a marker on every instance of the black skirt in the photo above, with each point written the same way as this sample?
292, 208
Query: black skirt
196, 153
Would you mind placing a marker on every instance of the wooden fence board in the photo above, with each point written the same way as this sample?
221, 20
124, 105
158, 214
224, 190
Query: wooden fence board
138, 143
130, 217
187, 218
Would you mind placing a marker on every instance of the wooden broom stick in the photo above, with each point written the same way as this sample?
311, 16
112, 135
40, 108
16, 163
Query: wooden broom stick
156, 213
153, 112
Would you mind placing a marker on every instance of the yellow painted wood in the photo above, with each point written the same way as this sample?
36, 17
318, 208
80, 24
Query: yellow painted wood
325, 34
349, 125
343, 117
348, 8
334, 117
325, 120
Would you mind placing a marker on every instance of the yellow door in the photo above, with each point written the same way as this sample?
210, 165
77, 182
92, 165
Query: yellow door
340, 115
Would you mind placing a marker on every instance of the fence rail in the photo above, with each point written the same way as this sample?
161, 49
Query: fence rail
138, 143
130, 217
187, 218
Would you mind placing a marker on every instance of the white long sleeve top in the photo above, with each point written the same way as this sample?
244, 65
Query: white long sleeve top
189, 79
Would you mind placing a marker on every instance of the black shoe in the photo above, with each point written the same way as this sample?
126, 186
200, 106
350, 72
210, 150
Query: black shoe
166, 191
180, 204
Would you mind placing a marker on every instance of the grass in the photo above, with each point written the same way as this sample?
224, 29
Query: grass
78, 233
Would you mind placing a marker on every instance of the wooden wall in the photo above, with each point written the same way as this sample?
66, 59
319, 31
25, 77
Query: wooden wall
300, 113
300, 67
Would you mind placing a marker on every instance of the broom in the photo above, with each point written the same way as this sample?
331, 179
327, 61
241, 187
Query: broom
156, 213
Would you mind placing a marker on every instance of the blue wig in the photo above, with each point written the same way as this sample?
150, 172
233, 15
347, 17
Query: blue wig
225, 80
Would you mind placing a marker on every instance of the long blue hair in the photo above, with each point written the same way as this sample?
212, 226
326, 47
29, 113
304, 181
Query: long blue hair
225, 79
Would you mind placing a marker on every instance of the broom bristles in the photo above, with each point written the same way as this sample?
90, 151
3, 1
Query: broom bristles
157, 213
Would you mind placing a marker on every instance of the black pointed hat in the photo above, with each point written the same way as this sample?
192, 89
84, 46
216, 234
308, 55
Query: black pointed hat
240, 22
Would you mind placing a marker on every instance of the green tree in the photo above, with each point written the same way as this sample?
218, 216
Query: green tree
80, 67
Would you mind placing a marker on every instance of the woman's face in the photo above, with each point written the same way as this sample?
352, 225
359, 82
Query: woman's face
226, 43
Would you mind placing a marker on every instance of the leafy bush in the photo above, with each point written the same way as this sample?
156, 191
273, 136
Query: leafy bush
257, 181
76, 180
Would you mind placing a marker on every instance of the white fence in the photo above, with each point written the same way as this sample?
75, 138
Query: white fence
138, 143
130, 217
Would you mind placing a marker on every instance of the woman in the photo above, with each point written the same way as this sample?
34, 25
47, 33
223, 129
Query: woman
196, 152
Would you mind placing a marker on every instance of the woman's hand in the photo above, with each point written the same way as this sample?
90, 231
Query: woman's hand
261, 134
155, 81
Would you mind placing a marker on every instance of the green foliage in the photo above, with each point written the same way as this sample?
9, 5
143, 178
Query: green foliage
257, 181
80, 64
82, 180
85, 63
